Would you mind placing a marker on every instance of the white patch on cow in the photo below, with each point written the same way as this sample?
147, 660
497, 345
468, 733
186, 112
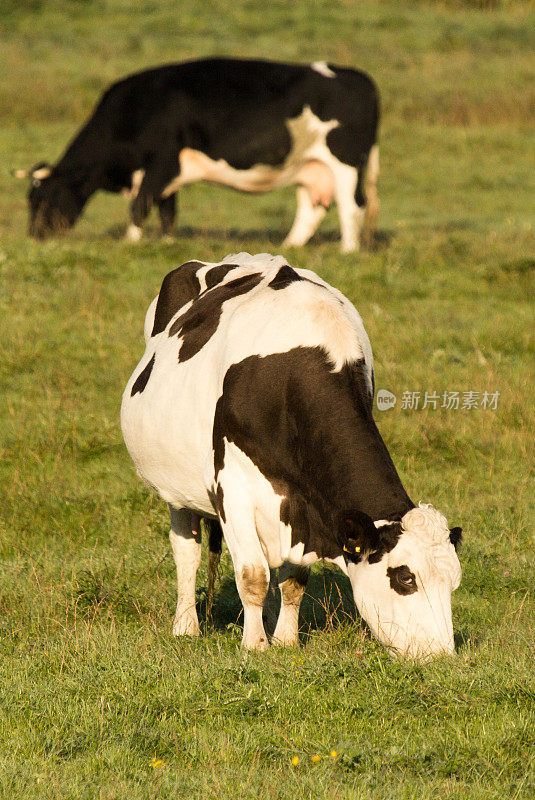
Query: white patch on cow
135, 184
133, 233
20, 173
41, 173
323, 68
149, 321
265, 502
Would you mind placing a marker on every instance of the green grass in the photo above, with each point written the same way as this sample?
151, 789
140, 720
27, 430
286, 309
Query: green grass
96, 698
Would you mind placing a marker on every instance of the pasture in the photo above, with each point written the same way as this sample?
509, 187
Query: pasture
96, 698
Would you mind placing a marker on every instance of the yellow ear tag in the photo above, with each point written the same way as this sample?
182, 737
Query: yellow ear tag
347, 550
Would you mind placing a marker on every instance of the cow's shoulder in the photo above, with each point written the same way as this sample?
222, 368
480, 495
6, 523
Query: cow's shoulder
294, 418
193, 280
179, 287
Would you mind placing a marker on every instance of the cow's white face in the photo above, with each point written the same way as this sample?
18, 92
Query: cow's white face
405, 595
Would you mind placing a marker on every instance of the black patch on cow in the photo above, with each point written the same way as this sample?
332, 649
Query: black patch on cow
198, 324
219, 504
216, 498
402, 580
178, 288
215, 535
284, 277
456, 536
311, 433
143, 377
218, 274
387, 539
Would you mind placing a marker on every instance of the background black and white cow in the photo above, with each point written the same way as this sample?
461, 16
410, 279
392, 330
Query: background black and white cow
250, 125
253, 405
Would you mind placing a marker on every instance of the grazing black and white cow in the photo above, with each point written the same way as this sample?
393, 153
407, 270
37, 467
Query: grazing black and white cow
253, 405
250, 125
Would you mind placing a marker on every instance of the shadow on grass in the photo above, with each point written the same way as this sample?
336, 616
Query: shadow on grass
464, 641
327, 603
382, 238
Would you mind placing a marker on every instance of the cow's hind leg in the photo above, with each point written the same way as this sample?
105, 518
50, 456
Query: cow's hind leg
350, 213
307, 219
372, 197
186, 546
292, 581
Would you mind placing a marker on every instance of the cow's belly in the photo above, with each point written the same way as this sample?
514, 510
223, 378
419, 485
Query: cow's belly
259, 178
196, 166
169, 445
306, 164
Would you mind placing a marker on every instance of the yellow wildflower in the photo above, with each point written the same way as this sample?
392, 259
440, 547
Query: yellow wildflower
156, 762
333, 754
295, 761
315, 758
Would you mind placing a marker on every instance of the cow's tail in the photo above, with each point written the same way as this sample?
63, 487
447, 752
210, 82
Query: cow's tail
215, 538
372, 198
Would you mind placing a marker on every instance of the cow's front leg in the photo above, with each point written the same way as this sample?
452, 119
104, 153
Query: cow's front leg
167, 213
292, 582
155, 179
186, 546
250, 565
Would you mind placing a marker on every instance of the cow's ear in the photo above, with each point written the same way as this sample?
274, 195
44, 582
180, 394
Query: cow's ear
357, 534
456, 535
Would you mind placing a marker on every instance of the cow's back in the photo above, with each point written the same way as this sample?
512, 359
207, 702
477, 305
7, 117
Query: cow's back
225, 313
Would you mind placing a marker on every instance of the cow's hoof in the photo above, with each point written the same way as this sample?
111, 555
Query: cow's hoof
349, 248
260, 644
186, 627
285, 640
133, 234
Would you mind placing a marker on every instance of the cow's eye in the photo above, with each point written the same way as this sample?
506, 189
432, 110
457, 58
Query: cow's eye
402, 580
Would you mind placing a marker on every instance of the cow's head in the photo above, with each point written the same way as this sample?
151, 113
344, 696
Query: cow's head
54, 200
402, 575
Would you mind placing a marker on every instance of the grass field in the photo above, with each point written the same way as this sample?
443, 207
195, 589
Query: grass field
96, 698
